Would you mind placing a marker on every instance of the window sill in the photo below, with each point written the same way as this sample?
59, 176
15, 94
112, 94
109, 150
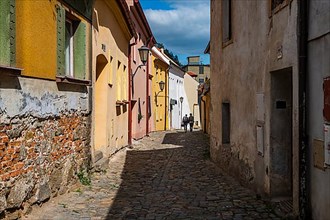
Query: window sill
225, 44
121, 102
70, 80
12, 71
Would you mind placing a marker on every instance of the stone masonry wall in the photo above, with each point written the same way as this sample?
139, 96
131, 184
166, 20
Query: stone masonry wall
40, 157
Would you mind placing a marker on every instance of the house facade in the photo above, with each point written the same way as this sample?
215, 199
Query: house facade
160, 88
176, 90
318, 73
254, 96
112, 32
196, 66
140, 112
45, 110
191, 93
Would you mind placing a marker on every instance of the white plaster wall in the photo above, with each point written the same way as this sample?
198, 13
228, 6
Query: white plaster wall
21, 96
176, 90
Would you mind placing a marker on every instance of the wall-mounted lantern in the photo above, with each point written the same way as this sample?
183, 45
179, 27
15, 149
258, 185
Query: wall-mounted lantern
161, 87
144, 52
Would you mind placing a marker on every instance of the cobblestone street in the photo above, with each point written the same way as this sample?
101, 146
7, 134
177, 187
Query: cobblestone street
167, 175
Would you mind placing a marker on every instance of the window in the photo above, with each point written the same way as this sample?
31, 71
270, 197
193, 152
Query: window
201, 80
124, 83
149, 107
134, 53
69, 48
201, 69
7, 33
226, 21
110, 74
225, 123
140, 116
71, 45
156, 73
119, 80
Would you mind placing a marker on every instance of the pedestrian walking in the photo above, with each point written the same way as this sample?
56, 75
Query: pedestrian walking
191, 122
185, 121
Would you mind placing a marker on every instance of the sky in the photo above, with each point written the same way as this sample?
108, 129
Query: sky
183, 26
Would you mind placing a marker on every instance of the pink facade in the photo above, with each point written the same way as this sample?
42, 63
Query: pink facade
141, 122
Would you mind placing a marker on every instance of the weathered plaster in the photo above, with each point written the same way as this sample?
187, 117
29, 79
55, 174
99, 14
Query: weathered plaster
318, 69
239, 72
39, 98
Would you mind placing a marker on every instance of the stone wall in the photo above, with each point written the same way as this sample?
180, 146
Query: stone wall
44, 140
40, 157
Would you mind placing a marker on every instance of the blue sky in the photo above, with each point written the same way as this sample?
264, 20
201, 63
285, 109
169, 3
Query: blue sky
183, 26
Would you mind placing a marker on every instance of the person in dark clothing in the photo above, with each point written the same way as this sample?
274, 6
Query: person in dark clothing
191, 122
185, 121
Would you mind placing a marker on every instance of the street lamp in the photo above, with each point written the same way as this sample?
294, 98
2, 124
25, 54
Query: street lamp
144, 52
161, 87
181, 100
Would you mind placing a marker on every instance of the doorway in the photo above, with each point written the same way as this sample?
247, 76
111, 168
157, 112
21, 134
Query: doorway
281, 133
100, 131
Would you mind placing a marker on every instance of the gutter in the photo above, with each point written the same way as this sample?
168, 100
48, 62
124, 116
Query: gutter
160, 55
304, 200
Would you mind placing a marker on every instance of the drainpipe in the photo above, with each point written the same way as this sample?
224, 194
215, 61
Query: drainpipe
130, 118
147, 98
147, 89
166, 94
303, 142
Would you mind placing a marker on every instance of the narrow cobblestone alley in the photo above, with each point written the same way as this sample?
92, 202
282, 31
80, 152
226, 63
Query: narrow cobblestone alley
167, 175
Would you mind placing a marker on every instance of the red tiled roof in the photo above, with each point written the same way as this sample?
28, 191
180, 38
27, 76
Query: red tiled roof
192, 74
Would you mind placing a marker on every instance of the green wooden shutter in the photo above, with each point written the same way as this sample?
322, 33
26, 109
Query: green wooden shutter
60, 40
79, 51
5, 32
12, 33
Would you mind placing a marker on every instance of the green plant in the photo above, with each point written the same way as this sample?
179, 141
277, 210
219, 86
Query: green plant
140, 116
84, 178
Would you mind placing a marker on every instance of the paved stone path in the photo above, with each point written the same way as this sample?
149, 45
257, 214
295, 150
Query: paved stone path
165, 176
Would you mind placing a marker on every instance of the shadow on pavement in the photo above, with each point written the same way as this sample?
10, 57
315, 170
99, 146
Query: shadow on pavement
177, 183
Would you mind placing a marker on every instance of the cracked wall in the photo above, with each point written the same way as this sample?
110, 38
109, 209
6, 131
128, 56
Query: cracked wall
44, 140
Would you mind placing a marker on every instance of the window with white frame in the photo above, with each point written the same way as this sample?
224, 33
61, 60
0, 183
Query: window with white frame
71, 45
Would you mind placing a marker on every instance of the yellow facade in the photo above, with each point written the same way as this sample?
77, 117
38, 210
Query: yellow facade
160, 105
36, 38
111, 39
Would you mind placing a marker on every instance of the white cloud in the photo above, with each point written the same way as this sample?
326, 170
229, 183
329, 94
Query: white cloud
183, 29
